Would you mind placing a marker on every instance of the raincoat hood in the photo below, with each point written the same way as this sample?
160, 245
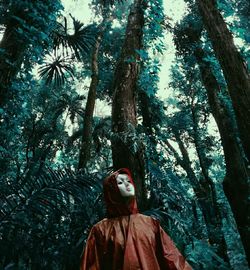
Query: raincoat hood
116, 204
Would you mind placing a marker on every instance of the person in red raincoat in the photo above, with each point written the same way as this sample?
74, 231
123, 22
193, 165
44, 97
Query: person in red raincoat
127, 240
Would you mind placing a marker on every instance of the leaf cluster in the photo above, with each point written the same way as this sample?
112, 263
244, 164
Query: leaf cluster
48, 215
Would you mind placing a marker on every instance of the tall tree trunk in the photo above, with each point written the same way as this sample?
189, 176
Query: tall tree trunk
200, 224
85, 148
127, 150
236, 182
184, 162
207, 181
205, 202
234, 69
207, 192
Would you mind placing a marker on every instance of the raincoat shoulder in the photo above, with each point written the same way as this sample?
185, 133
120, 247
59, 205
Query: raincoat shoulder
91, 256
131, 242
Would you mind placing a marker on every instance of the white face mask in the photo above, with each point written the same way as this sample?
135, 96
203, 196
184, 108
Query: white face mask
125, 186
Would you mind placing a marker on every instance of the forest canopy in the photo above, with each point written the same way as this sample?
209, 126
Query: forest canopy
124, 84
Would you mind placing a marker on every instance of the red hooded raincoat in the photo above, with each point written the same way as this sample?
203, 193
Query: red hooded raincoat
127, 240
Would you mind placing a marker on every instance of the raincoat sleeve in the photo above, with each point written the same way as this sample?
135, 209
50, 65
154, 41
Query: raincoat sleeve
91, 259
170, 257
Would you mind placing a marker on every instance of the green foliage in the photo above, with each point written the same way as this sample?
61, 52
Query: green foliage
187, 33
56, 71
203, 256
108, 56
155, 23
45, 219
176, 209
153, 33
47, 212
149, 78
80, 42
33, 22
59, 66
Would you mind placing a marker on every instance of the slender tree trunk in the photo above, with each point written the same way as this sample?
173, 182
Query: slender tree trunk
85, 149
204, 195
127, 150
184, 162
200, 148
204, 200
207, 194
236, 182
233, 66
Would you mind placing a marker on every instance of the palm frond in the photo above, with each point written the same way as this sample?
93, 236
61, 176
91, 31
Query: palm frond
53, 191
80, 41
56, 71
38, 211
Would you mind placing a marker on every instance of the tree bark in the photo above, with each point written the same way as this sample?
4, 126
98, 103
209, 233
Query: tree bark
200, 148
85, 148
203, 197
236, 182
127, 150
233, 66
207, 192
184, 162
204, 194
234, 156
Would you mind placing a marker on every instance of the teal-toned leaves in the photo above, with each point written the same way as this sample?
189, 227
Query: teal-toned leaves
143, 54
149, 77
49, 213
79, 40
56, 71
